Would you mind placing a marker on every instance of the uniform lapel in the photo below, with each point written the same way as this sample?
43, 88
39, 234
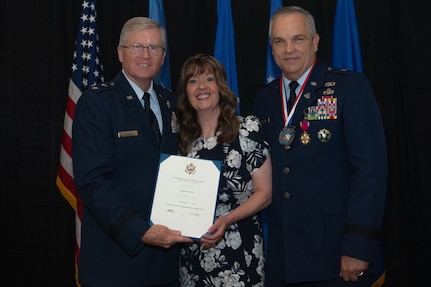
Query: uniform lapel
134, 106
167, 109
275, 105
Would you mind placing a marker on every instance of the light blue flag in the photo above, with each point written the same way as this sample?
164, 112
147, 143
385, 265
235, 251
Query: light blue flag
346, 52
157, 13
272, 70
224, 49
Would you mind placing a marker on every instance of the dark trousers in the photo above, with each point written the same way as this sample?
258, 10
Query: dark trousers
175, 284
363, 281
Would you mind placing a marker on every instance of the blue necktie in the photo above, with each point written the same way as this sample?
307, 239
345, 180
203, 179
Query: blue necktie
292, 95
151, 116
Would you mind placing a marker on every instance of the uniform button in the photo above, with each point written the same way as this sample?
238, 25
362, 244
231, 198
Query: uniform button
286, 195
286, 170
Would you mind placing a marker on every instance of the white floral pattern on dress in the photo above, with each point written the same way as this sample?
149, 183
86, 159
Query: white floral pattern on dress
237, 260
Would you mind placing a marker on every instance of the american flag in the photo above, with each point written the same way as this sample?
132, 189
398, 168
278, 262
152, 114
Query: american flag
87, 70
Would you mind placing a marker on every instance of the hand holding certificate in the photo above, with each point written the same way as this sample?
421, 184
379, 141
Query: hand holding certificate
186, 194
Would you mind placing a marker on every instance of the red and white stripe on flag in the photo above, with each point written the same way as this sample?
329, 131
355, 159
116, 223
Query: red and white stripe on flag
87, 70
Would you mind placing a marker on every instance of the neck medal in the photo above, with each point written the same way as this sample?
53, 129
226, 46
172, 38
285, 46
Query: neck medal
305, 136
286, 137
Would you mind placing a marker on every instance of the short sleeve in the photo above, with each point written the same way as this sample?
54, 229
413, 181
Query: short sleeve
254, 147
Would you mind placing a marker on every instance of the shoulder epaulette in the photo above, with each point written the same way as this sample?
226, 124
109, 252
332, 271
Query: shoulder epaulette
276, 80
103, 86
340, 71
162, 87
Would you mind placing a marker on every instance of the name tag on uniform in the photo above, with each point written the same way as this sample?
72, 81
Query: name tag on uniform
125, 134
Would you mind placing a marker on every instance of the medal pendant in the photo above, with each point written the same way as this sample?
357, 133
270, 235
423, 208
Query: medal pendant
286, 136
305, 138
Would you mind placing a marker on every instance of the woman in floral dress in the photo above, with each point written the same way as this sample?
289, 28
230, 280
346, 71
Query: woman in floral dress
231, 253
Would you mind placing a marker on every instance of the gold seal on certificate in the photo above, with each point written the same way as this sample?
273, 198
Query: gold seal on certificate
185, 196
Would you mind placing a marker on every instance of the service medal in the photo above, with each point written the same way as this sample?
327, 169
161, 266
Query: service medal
305, 136
286, 137
324, 135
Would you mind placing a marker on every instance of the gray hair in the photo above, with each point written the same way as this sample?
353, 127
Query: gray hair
141, 23
288, 10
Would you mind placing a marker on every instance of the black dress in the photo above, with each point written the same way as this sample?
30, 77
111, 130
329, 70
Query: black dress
238, 259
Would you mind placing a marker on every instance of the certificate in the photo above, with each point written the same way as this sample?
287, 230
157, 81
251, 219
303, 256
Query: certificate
185, 196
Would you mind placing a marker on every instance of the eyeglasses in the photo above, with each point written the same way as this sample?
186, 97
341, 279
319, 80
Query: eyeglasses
138, 48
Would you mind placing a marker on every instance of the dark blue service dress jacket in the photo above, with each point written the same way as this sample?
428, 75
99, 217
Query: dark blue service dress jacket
115, 161
329, 187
